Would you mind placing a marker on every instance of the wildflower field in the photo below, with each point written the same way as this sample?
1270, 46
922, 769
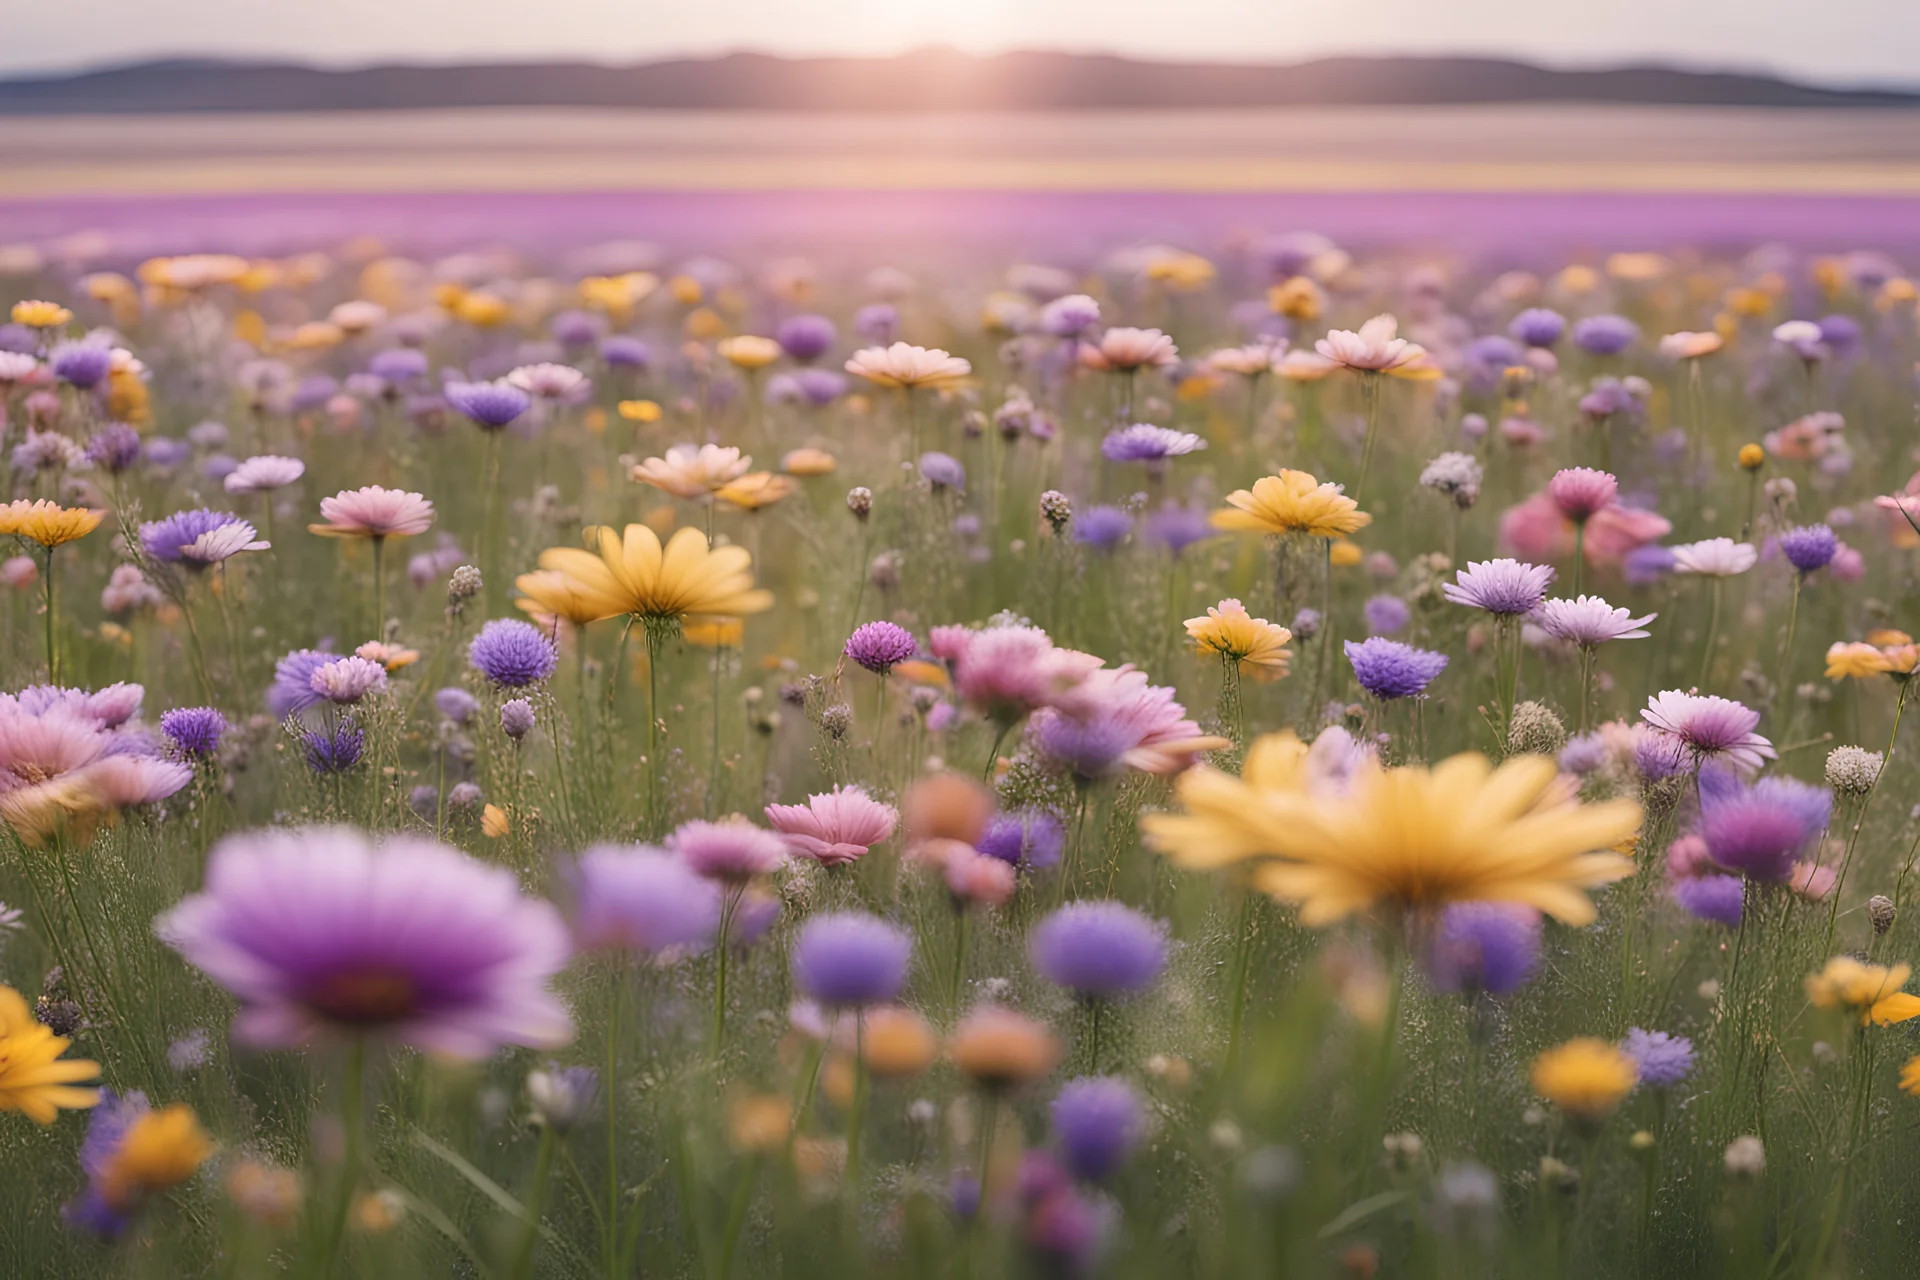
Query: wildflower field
1241, 758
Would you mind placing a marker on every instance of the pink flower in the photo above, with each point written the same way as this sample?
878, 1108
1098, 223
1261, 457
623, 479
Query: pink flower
1710, 727
1535, 530
1374, 348
836, 828
264, 471
1129, 349
1007, 672
347, 680
974, 877
373, 512
1580, 492
731, 849
1812, 881
1116, 719
1688, 858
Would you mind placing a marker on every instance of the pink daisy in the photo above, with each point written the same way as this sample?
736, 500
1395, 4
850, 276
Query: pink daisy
373, 512
1710, 727
836, 828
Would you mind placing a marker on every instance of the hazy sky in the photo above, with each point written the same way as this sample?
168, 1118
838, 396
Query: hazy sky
1849, 40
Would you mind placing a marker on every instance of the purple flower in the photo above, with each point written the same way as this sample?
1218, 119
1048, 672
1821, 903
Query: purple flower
637, 898
877, 322
345, 681
1759, 831
398, 366
1809, 547
818, 387
1386, 615
1583, 754
1715, 899
1664, 1060
1840, 333
1032, 837
115, 448
1098, 1121
850, 958
733, 850
943, 471
1503, 587
82, 364
1069, 316
1485, 946
490, 405
513, 654
455, 703
1660, 755
321, 933
806, 338
880, 646
1389, 669
1098, 949
1176, 527
1710, 727
1143, 442
623, 352
1605, 335
1590, 621
333, 751
516, 718
107, 1129
292, 688
194, 731
1102, 528
577, 328
1647, 563
198, 538
1538, 327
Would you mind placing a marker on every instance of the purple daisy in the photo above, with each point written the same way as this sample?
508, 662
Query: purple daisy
1710, 727
1098, 949
1143, 442
1664, 1060
1506, 588
513, 654
1388, 669
1485, 946
850, 959
292, 688
322, 934
636, 898
1590, 621
1098, 1121
198, 538
880, 646
489, 405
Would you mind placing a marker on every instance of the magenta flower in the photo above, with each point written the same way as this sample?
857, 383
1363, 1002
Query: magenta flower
836, 828
1007, 672
373, 512
1590, 621
1580, 492
347, 680
880, 646
323, 934
1710, 728
1117, 719
733, 849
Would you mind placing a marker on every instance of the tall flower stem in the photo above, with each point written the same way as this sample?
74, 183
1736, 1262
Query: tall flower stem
53, 654
713, 759
656, 641
1321, 674
1786, 649
352, 1102
1860, 818
962, 938
1713, 632
1242, 964
610, 1087
1586, 684
729, 907
1369, 396
379, 588
857, 1112
1579, 554
536, 1204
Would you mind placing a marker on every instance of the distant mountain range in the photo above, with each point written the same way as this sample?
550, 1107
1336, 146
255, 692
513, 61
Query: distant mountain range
924, 80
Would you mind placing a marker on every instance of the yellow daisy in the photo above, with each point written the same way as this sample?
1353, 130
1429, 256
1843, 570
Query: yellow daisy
1292, 502
32, 1078
1870, 990
632, 573
48, 523
1259, 646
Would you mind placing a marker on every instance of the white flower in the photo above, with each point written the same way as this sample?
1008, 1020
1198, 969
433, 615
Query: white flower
216, 545
905, 365
264, 471
1590, 620
1373, 349
548, 381
1715, 558
1127, 349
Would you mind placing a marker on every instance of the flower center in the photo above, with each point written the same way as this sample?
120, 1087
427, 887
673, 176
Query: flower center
364, 996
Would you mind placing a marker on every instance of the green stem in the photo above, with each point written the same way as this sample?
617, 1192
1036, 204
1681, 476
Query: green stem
1370, 395
1242, 964
536, 1203
1713, 632
722, 945
53, 655
352, 1101
379, 588
610, 1088
1786, 649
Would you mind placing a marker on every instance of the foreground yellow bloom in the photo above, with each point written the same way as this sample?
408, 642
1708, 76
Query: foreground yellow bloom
1870, 990
32, 1079
633, 573
48, 523
1259, 646
1292, 502
161, 1150
40, 315
546, 594
1585, 1077
1413, 838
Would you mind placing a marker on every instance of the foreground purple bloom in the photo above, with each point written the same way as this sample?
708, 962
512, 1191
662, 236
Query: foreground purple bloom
1098, 949
880, 646
1389, 669
1760, 831
1715, 899
322, 934
635, 898
1502, 587
850, 959
512, 654
1485, 946
1098, 1121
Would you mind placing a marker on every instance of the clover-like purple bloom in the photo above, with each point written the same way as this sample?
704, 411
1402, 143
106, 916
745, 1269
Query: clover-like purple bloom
1098, 949
1715, 899
1485, 946
1102, 528
622, 351
1664, 1060
512, 653
850, 959
1386, 615
880, 646
490, 405
1098, 1121
81, 364
1810, 547
805, 338
943, 471
1538, 327
637, 898
335, 750
1606, 335
323, 934
1031, 837
194, 731
455, 703
1760, 831
1388, 669
398, 366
